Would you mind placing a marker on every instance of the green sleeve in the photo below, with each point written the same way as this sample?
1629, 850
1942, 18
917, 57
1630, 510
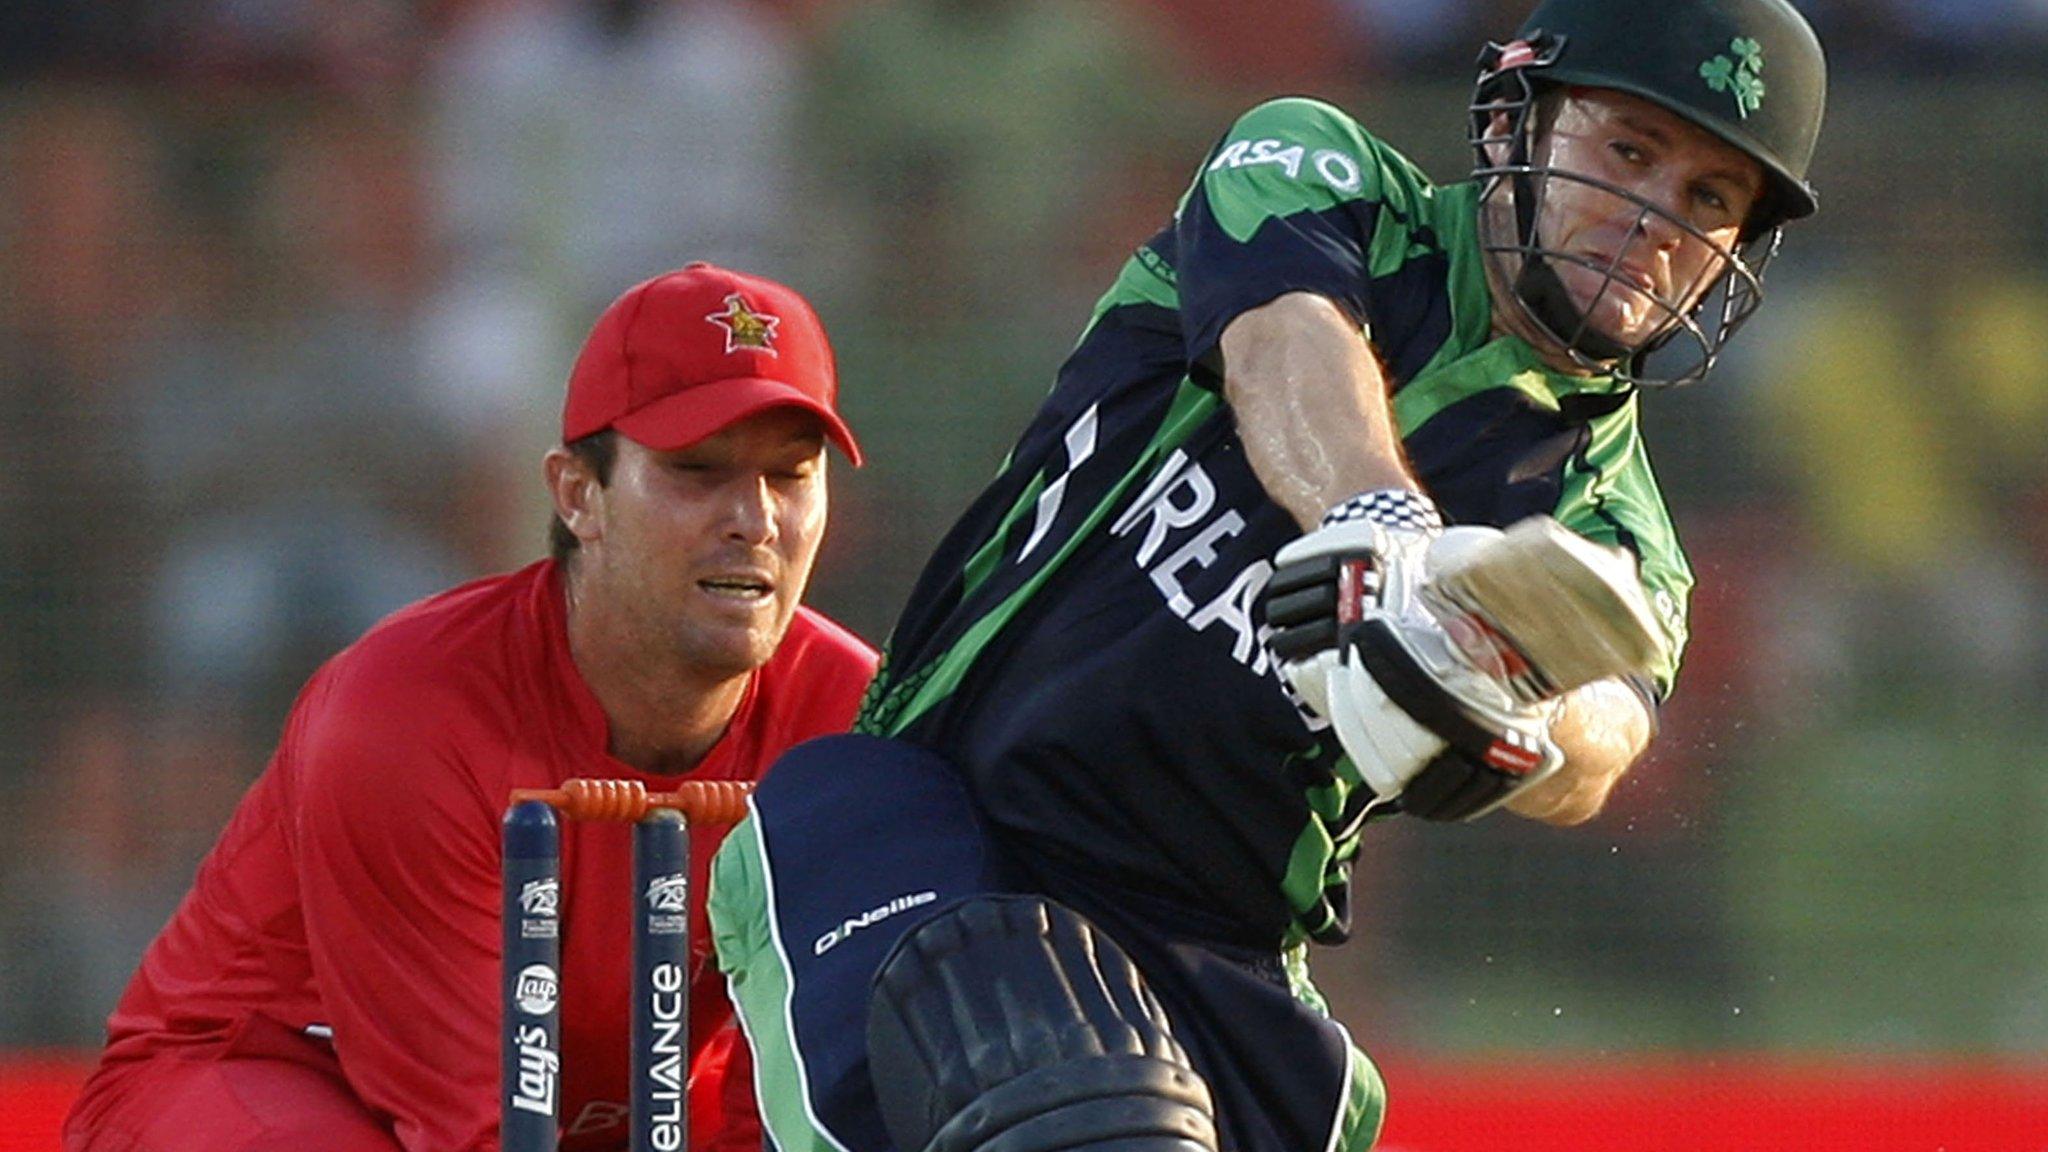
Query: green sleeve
1289, 156
1295, 198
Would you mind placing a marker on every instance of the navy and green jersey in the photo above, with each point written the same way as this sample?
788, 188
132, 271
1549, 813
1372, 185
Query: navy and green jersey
1087, 642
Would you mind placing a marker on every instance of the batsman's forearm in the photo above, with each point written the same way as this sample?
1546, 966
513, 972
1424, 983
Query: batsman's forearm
1601, 728
1311, 405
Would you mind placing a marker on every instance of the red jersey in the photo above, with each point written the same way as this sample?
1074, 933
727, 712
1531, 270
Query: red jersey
355, 893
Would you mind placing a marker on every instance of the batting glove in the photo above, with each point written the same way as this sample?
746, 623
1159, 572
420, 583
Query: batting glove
1421, 719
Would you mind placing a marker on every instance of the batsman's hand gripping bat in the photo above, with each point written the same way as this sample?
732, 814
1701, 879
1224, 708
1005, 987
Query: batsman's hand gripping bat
1551, 609
1438, 666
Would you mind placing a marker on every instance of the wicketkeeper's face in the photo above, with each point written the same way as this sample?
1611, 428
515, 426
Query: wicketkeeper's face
1634, 259
706, 550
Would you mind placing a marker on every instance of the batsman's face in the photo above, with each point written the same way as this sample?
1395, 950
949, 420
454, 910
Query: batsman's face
1618, 258
705, 551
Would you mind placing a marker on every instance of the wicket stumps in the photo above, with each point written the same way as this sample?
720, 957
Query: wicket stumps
531, 1051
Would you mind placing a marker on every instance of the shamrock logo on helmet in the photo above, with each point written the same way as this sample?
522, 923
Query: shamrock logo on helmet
1741, 76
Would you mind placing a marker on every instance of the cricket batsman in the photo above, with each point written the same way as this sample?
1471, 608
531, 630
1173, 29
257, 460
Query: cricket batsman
1242, 587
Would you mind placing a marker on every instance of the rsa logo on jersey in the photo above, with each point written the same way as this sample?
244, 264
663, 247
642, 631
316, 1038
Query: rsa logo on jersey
1338, 170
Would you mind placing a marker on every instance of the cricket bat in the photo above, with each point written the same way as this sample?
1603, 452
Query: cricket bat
1570, 611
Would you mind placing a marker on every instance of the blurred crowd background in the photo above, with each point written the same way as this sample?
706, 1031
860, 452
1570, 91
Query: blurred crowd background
291, 287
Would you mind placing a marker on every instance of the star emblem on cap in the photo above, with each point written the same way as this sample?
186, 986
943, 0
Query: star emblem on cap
745, 327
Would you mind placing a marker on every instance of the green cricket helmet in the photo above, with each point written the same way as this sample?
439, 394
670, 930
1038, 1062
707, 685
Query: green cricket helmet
1750, 72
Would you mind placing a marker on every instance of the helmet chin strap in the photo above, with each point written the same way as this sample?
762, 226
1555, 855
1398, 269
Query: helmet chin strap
1543, 293
1538, 286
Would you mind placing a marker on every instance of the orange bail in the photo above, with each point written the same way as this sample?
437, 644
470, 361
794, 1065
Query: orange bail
700, 801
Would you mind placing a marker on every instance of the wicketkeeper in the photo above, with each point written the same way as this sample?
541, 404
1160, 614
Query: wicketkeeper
1241, 588
331, 981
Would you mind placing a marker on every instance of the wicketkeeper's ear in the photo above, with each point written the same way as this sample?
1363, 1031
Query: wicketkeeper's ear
575, 491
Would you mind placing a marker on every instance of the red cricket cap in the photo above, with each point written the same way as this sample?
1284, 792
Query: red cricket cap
683, 355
